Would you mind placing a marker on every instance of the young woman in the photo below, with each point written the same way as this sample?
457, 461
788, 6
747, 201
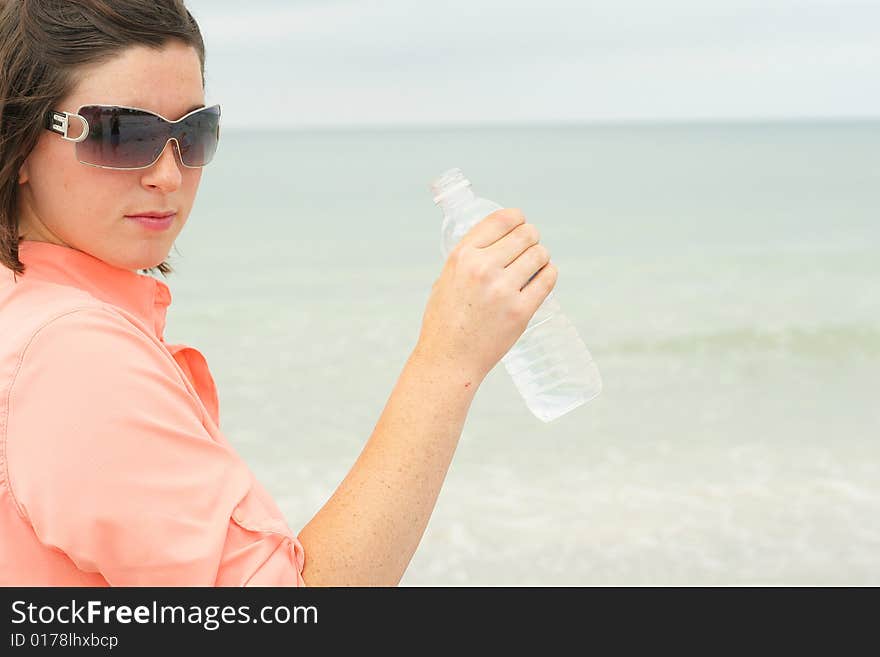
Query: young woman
113, 469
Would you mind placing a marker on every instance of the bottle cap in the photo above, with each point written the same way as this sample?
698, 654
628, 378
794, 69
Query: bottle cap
447, 183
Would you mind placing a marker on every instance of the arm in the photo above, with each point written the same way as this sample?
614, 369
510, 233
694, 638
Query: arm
367, 532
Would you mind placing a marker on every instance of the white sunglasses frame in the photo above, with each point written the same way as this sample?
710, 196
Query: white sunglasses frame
59, 123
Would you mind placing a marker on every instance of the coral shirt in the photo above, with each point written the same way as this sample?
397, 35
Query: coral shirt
113, 469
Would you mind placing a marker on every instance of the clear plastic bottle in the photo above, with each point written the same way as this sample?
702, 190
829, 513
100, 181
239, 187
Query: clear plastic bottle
549, 364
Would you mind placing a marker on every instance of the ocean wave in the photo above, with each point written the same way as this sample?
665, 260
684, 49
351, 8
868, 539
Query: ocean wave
831, 341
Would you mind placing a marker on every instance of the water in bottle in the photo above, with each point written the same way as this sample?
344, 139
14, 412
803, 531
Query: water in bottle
549, 364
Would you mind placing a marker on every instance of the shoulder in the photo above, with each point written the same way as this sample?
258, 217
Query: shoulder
96, 347
90, 372
28, 304
57, 328
34, 308
76, 332
91, 388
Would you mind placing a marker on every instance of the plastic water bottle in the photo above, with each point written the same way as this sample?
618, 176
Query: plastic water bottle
549, 364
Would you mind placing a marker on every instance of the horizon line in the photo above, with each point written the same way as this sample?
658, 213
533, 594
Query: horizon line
546, 123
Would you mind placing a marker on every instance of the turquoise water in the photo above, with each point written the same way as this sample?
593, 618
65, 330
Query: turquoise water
725, 278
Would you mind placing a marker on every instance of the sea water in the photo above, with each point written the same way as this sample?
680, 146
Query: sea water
728, 277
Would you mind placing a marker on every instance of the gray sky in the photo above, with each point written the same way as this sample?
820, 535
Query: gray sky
392, 62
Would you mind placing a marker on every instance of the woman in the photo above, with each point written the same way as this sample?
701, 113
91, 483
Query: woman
113, 469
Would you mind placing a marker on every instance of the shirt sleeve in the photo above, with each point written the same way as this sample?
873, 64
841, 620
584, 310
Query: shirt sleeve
111, 462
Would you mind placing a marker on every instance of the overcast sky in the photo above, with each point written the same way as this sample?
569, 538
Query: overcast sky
391, 62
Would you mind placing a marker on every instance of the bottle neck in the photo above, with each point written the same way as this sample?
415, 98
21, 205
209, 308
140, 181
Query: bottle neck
458, 198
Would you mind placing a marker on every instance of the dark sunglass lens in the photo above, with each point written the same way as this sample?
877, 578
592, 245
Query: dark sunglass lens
121, 138
198, 136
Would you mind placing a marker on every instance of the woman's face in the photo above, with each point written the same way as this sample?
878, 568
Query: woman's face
87, 208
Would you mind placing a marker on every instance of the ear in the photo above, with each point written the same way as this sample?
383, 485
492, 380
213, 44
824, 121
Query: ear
23, 174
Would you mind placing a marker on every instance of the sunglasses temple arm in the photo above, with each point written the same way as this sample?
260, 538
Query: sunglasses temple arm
60, 122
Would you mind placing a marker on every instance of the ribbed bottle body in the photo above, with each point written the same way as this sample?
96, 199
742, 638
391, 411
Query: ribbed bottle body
549, 364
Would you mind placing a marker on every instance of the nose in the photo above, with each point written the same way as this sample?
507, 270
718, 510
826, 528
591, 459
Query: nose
165, 174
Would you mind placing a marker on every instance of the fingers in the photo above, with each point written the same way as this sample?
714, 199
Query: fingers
527, 264
512, 246
533, 294
506, 250
493, 228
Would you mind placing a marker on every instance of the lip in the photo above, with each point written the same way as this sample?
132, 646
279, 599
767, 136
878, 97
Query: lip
154, 220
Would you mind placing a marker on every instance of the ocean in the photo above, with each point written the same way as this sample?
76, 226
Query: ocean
726, 279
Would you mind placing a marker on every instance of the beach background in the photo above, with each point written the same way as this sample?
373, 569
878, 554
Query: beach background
724, 273
724, 277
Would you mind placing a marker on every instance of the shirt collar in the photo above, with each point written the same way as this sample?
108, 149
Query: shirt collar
143, 296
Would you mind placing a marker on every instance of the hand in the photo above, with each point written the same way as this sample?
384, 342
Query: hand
483, 300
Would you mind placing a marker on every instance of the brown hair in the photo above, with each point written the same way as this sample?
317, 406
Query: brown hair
42, 45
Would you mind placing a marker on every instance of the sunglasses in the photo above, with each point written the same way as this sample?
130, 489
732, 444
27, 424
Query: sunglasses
127, 138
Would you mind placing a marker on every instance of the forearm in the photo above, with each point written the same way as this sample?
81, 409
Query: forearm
367, 532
